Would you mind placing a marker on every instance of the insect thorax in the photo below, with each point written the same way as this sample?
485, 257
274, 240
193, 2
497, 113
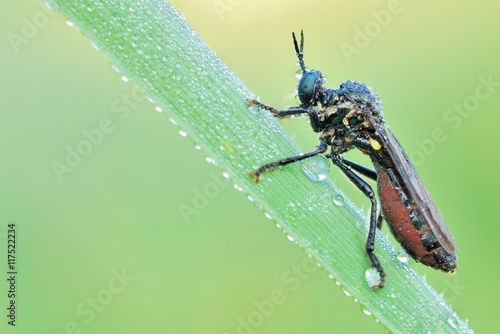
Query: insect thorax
348, 114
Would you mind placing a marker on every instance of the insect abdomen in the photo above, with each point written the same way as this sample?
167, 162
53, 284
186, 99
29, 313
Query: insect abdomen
408, 226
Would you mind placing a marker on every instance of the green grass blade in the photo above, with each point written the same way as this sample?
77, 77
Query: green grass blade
151, 44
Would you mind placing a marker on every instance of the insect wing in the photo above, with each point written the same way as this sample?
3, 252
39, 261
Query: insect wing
417, 191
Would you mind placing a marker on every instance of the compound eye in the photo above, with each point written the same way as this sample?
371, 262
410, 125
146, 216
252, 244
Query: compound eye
307, 87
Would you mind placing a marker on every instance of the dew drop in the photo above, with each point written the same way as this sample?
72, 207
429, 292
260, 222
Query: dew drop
338, 199
253, 109
124, 78
70, 24
290, 238
373, 277
46, 3
209, 160
224, 174
182, 133
316, 168
347, 293
250, 198
402, 256
268, 216
298, 74
197, 147
237, 187
158, 108
365, 310
452, 323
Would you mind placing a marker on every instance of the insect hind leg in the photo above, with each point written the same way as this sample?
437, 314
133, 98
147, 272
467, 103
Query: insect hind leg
365, 171
368, 191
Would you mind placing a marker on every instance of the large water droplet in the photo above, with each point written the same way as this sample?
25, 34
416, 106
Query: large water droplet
373, 277
316, 168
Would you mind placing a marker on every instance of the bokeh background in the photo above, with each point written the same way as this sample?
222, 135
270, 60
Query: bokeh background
105, 248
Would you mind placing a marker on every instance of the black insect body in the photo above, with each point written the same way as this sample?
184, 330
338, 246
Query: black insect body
351, 117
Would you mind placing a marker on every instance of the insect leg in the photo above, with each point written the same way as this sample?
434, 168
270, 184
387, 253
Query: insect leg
367, 190
282, 162
276, 112
368, 172
316, 123
380, 219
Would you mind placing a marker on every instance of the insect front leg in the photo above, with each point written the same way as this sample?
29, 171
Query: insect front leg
322, 146
316, 122
368, 191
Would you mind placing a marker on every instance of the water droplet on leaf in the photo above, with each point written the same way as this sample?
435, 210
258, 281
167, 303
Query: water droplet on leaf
402, 256
316, 168
365, 310
373, 277
338, 199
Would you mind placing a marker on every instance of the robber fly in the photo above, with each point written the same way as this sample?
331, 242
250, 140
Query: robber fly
351, 117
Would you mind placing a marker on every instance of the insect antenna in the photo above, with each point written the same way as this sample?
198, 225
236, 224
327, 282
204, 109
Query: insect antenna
300, 51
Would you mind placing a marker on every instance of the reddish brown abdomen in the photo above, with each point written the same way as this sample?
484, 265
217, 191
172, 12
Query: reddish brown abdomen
407, 224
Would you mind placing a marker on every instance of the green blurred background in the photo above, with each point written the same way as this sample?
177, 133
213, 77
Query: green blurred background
105, 249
